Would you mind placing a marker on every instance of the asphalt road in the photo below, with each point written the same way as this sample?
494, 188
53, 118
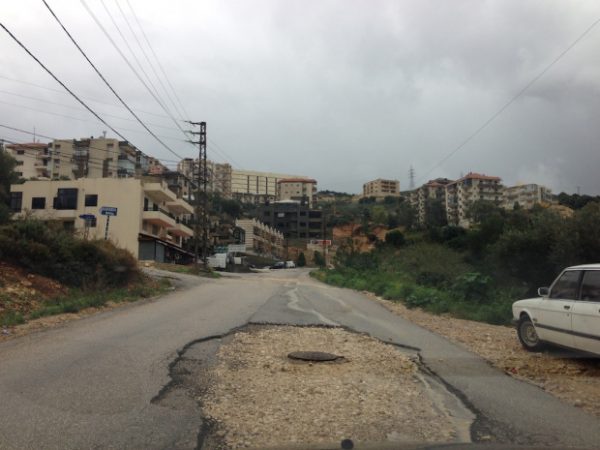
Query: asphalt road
91, 383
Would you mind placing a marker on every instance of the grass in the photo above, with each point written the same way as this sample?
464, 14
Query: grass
11, 318
78, 300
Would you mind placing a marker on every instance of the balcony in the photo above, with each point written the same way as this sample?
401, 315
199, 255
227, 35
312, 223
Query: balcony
160, 217
180, 206
182, 230
159, 192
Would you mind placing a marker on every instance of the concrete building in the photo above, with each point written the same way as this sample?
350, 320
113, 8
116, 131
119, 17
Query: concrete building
420, 198
462, 193
381, 188
150, 222
256, 187
260, 238
33, 159
219, 175
527, 195
294, 220
301, 190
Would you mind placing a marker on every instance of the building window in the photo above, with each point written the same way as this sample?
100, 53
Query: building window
92, 222
38, 203
16, 201
19, 163
69, 225
66, 199
91, 200
20, 152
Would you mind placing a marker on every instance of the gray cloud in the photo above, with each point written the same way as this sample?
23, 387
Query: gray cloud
343, 91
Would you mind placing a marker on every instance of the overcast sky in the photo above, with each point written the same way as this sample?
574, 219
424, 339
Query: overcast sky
344, 91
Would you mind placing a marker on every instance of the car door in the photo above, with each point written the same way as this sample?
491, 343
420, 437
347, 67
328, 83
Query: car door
553, 321
586, 313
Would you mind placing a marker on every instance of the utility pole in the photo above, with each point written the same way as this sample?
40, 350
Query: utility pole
201, 213
411, 174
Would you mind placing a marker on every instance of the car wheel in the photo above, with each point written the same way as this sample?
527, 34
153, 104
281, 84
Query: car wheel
528, 335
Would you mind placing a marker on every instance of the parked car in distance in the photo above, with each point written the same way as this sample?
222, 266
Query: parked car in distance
278, 265
565, 314
290, 265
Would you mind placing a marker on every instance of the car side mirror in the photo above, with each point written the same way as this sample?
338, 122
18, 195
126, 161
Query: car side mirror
543, 291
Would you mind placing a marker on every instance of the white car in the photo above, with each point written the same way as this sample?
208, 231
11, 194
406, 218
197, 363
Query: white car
566, 314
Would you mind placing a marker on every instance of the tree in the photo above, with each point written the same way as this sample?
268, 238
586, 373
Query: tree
319, 259
406, 215
435, 213
301, 261
395, 238
8, 176
379, 215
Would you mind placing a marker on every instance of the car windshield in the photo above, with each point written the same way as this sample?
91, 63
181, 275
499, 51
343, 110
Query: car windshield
267, 224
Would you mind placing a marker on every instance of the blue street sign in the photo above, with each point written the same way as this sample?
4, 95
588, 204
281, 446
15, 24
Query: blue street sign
108, 211
87, 216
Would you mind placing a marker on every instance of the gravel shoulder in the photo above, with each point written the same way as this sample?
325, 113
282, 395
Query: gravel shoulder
570, 377
260, 398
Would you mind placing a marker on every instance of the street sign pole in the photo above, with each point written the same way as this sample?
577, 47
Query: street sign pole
106, 229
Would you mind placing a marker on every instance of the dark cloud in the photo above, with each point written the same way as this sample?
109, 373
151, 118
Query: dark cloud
343, 90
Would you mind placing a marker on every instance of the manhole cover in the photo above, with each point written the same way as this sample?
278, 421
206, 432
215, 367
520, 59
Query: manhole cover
314, 356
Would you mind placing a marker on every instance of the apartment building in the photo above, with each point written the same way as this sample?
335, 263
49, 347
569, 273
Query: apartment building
33, 159
462, 193
420, 198
219, 175
381, 188
260, 238
256, 187
301, 190
293, 219
150, 221
527, 196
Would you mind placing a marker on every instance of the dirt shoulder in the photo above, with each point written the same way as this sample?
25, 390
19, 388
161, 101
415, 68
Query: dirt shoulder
574, 379
261, 398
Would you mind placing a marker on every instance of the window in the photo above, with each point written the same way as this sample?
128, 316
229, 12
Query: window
91, 200
16, 201
590, 287
38, 203
20, 152
19, 163
566, 286
66, 198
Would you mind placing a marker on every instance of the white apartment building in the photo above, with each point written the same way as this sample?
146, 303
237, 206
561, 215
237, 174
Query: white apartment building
298, 189
422, 196
381, 188
219, 174
150, 221
462, 193
256, 187
527, 195
261, 239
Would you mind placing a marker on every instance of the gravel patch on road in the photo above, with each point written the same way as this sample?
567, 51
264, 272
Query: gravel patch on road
572, 378
261, 398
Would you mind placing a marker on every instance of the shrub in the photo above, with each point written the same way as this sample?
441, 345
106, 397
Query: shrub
301, 262
395, 238
472, 287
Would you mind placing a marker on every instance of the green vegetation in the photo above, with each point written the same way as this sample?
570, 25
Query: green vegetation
301, 262
319, 259
53, 252
188, 269
78, 300
476, 273
7, 177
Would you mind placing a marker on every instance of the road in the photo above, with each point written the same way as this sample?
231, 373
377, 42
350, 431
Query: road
91, 383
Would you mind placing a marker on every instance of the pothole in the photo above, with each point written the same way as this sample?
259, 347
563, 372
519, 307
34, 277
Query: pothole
312, 356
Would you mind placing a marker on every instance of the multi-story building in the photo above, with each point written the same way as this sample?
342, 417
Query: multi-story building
155, 167
298, 189
150, 221
33, 159
293, 219
381, 188
421, 198
462, 193
256, 187
219, 175
260, 238
527, 195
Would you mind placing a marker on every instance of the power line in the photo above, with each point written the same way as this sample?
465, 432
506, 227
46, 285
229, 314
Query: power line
52, 113
512, 100
60, 82
108, 84
14, 80
147, 58
114, 44
157, 60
